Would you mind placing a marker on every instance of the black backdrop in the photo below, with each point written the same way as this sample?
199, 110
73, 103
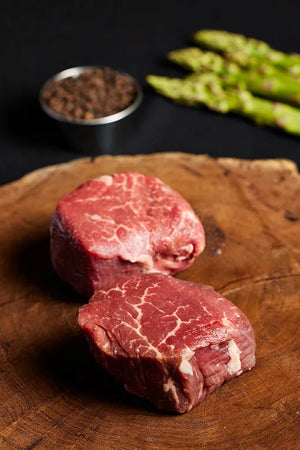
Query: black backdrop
40, 38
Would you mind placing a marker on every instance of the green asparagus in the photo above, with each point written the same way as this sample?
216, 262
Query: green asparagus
247, 52
266, 80
208, 89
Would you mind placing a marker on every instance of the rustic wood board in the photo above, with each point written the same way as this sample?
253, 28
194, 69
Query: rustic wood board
52, 393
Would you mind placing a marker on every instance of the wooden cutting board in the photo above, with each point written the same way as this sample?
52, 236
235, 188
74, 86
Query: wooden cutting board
52, 393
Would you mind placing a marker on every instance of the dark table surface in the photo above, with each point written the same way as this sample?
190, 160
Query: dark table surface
38, 39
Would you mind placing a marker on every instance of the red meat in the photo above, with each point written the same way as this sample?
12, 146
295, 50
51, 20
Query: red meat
170, 341
122, 225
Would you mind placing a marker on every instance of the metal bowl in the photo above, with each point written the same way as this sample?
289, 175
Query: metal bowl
94, 136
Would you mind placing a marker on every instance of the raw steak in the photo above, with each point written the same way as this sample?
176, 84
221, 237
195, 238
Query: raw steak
120, 225
170, 341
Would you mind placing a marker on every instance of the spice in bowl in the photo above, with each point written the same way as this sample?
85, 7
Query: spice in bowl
94, 107
93, 94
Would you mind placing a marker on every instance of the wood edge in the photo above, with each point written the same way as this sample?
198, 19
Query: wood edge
271, 164
45, 172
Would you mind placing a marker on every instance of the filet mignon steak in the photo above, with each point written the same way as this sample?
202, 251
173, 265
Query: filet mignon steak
116, 226
170, 341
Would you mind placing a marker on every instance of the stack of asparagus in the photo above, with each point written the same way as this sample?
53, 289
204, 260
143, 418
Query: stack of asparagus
226, 81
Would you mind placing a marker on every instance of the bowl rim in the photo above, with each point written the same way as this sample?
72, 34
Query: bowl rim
75, 72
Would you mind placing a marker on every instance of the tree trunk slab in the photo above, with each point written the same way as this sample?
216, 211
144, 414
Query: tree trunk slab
53, 394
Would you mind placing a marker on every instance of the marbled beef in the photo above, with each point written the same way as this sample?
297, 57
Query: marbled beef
122, 225
170, 341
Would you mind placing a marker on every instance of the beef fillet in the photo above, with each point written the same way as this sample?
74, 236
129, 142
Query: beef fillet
122, 225
170, 341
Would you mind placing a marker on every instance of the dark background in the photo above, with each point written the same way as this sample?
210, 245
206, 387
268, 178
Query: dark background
40, 38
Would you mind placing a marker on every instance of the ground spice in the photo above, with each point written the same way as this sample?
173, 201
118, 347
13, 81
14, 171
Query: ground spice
94, 94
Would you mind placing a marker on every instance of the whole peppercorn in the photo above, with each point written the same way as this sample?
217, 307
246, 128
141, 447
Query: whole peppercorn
93, 94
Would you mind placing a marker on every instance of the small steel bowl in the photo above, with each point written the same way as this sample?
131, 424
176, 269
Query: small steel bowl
94, 136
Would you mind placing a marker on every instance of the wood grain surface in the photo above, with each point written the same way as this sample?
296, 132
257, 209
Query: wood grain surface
52, 393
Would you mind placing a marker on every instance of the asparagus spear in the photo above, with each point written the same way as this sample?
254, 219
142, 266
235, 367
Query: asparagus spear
208, 89
247, 51
265, 80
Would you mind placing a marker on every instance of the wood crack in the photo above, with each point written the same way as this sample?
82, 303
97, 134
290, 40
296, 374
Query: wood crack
254, 280
35, 443
191, 170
